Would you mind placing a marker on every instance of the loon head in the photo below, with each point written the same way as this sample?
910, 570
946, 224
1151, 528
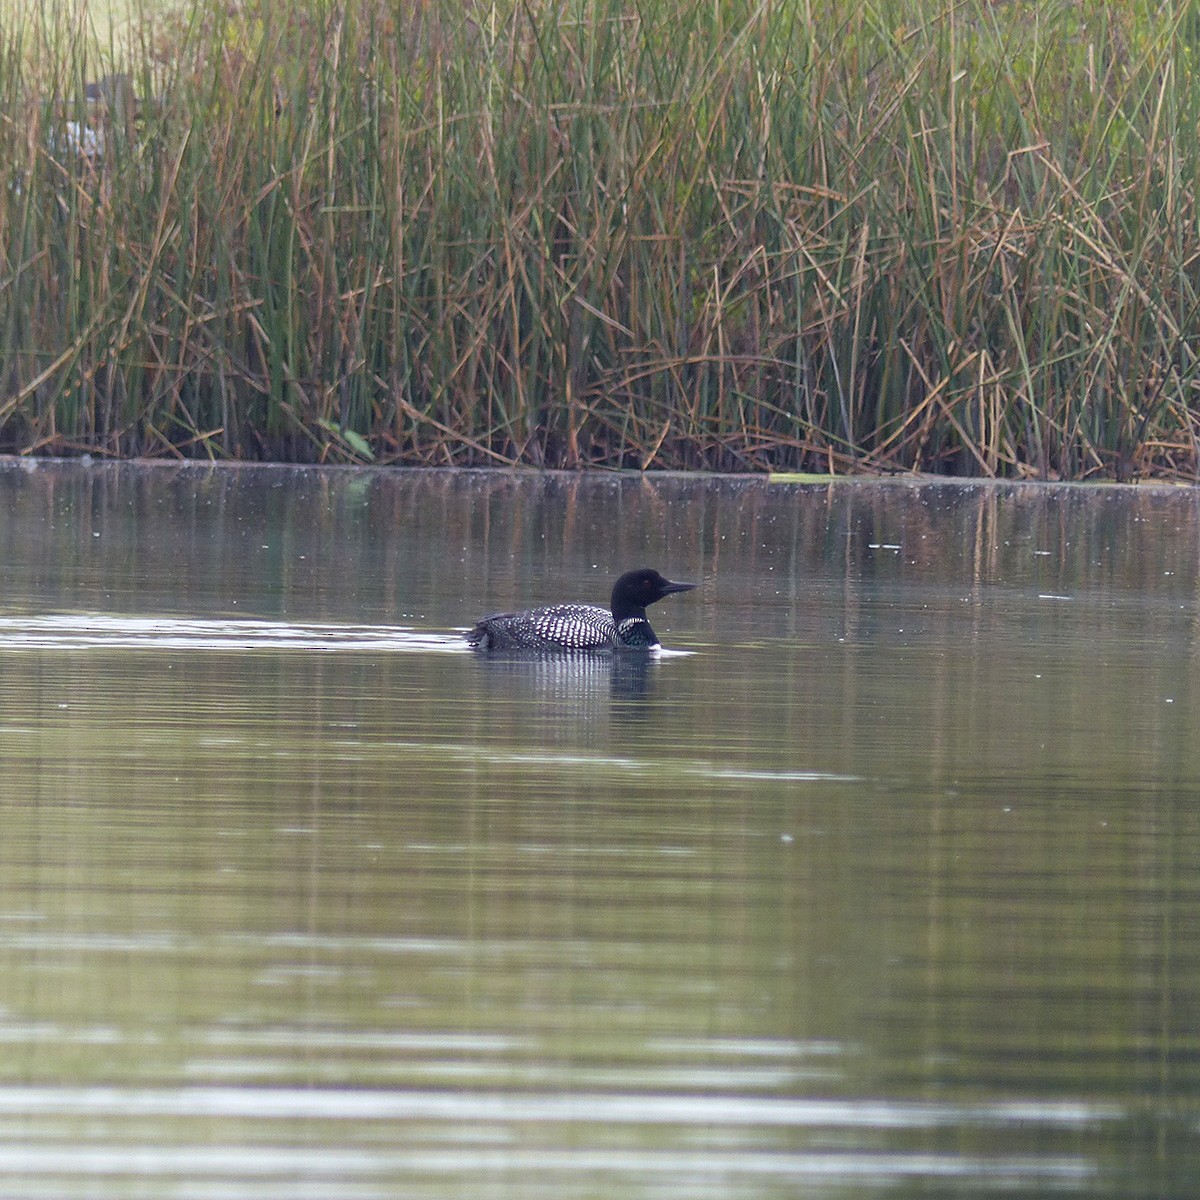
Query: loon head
637, 589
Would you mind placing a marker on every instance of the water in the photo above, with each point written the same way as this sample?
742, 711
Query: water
883, 884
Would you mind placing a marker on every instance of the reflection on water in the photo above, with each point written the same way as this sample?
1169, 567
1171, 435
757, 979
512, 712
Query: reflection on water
580, 680
880, 881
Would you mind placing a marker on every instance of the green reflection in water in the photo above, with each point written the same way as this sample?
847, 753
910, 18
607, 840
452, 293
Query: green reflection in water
889, 886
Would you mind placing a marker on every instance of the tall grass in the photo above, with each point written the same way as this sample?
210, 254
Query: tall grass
795, 234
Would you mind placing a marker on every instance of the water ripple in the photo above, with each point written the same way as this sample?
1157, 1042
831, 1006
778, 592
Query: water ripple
91, 631
551, 1107
708, 1171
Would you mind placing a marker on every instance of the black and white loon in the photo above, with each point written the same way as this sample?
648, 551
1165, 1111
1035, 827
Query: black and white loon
582, 626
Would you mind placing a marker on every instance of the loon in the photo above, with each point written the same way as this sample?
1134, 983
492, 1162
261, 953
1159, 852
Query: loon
582, 626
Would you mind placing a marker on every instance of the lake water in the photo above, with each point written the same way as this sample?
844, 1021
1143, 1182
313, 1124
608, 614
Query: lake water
885, 884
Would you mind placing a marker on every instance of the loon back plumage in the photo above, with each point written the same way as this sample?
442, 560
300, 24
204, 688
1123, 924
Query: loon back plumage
582, 626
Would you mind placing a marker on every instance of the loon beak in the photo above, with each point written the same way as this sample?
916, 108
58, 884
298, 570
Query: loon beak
669, 588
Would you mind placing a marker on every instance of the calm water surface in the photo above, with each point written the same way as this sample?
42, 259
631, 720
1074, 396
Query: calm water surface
885, 885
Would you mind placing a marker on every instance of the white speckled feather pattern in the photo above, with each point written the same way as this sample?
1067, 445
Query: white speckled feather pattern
556, 627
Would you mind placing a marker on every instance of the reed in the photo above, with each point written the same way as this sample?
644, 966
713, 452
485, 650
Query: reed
792, 235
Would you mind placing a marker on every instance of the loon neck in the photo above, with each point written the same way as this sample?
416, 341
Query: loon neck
624, 610
636, 631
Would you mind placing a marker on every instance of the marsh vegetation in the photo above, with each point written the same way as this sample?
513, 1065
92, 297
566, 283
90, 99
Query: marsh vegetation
790, 235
